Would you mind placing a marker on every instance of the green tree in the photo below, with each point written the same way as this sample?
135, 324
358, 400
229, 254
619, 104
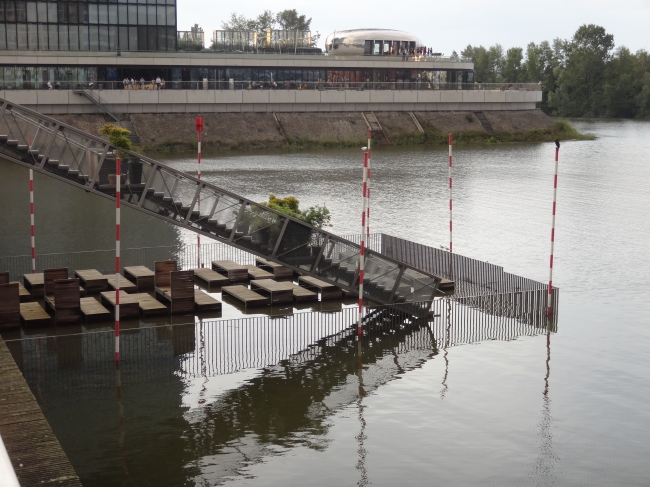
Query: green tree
514, 71
580, 84
290, 20
316, 216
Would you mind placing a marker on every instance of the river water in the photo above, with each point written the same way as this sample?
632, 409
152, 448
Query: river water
568, 408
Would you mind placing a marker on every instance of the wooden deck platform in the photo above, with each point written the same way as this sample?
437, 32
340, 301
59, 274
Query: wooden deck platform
148, 305
326, 290
34, 451
35, 284
33, 314
141, 276
279, 271
204, 302
245, 295
92, 310
25, 297
92, 280
125, 284
209, 279
255, 272
302, 294
234, 271
129, 306
277, 292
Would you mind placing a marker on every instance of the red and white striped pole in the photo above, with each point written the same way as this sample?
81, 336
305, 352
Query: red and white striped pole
362, 251
199, 129
450, 197
118, 196
368, 191
31, 217
550, 276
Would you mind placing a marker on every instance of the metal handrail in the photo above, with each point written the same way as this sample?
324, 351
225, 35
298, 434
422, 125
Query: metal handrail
274, 84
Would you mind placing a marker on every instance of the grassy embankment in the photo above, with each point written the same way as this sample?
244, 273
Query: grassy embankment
560, 129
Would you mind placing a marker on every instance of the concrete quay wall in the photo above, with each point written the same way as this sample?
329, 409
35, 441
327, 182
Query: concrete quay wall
52, 102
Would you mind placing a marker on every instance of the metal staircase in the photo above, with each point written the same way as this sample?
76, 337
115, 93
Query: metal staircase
98, 103
374, 126
68, 154
485, 122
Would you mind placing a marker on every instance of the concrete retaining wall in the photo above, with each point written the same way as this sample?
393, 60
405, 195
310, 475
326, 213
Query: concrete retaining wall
222, 101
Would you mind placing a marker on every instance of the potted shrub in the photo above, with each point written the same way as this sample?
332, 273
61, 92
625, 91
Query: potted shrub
118, 137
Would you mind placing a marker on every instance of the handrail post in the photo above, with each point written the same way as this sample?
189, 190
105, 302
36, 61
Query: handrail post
193, 203
48, 148
277, 243
147, 185
397, 281
91, 183
237, 220
320, 254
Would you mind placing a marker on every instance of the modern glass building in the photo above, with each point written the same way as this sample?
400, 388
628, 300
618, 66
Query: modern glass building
133, 25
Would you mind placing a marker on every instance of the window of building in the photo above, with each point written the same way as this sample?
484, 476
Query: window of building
63, 38
52, 13
53, 35
83, 37
73, 36
103, 14
21, 11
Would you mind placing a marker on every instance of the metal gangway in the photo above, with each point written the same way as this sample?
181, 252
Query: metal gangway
70, 155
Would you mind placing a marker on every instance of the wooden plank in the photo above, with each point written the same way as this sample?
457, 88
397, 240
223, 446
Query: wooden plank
148, 305
35, 284
129, 307
23, 293
34, 452
235, 272
327, 291
278, 292
125, 284
302, 294
209, 278
141, 276
245, 295
92, 280
205, 302
255, 272
278, 270
32, 314
9, 306
92, 310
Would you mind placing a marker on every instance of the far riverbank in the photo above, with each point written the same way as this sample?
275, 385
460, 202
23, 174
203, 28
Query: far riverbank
254, 131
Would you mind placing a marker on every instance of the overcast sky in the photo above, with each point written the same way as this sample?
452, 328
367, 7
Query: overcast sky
448, 25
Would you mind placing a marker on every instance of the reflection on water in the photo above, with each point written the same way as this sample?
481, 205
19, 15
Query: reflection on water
199, 403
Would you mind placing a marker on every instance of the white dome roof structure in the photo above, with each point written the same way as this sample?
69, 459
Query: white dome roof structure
369, 42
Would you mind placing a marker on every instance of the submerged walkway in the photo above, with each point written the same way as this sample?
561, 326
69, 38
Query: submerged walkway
34, 451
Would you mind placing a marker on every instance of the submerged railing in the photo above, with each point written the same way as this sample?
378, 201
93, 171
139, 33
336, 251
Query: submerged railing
208, 348
70, 155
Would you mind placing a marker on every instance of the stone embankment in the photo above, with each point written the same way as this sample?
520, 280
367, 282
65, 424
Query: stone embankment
233, 131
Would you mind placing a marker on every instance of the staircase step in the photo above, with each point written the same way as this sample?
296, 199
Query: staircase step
73, 172
32, 152
24, 147
53, 162
12, 142
63, 167
4, 138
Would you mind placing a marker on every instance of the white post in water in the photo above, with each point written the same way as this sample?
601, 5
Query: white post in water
118, 180
450, 198
31, 217
550, 276
362, 251
368, 192
199, 129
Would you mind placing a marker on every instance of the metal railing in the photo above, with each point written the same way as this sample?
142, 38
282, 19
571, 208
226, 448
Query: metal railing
209, 348
70, 155
269, 84
478, 284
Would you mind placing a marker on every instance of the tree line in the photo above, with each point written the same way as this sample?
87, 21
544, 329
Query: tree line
581, 77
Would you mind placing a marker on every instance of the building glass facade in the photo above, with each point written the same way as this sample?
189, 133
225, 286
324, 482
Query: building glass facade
128, 25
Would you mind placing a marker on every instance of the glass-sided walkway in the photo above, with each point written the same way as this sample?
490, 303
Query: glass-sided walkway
70, 155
